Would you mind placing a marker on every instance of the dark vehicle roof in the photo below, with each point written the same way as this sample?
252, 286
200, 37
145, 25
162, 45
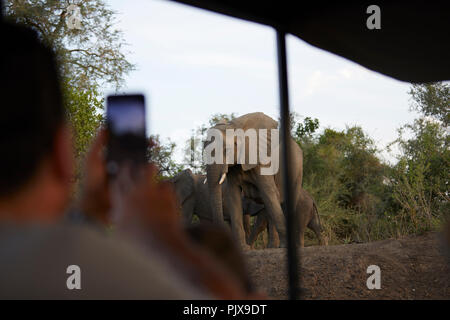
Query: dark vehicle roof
412, 45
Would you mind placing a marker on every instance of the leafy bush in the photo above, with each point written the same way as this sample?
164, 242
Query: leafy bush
362, 199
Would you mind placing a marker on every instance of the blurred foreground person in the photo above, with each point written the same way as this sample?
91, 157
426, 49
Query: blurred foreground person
148, 256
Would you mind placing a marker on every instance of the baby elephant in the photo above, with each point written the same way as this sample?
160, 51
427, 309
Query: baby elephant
308, 217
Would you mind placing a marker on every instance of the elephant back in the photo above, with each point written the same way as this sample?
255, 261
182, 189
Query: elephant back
255, 120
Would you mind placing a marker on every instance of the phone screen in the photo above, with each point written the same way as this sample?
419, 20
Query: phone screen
127, 142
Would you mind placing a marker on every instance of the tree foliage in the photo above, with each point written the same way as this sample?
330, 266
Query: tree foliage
432, 100
303, 131
161, 154
347, 161
193, 149
422, 175
91, 55
82, 109
88, 58
82, 112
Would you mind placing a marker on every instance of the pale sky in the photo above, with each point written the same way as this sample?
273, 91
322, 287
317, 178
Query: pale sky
192, 63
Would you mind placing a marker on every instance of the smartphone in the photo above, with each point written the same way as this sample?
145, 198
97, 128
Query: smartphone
125, 122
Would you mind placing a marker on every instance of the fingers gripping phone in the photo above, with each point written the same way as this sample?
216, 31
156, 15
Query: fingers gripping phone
125, 122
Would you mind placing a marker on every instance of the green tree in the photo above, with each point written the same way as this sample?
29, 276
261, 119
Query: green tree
303, 131
91, 55
82, 109
82, 112
432, 100
421, 176
343, 164
220, 117
193, 150
161, 154
88, 57
343, 172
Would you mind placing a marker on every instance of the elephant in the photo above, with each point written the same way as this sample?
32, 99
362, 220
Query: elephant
245, 176
310, 218
192, 194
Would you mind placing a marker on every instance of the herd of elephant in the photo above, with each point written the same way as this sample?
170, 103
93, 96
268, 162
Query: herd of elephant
234, 192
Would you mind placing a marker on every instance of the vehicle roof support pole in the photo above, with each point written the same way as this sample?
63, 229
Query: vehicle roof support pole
293, 259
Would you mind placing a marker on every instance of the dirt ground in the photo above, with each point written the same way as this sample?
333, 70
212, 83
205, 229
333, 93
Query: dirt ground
411, 268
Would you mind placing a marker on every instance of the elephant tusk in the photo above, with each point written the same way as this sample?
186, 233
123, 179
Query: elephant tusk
204, 182
222, 178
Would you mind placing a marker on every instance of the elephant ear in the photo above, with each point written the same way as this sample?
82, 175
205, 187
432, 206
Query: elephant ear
184, 185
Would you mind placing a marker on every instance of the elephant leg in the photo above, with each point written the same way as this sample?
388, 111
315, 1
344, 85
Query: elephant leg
301, 232
247, 226
258, 227
274, 240
261, 224
271, 198
234, 210
301, 242
315, 226
302, 225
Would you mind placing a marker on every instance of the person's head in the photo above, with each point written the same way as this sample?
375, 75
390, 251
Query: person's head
36, 163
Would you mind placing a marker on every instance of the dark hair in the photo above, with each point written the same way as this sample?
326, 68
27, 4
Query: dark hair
31, 108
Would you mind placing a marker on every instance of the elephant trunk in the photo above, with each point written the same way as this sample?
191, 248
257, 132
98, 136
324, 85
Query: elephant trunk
214, 176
